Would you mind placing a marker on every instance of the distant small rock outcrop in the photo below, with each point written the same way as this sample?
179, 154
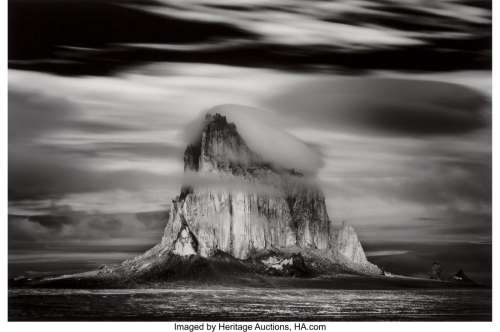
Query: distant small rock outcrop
436, 272
461, 277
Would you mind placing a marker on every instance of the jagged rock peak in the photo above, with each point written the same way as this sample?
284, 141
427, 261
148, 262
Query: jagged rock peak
220, 147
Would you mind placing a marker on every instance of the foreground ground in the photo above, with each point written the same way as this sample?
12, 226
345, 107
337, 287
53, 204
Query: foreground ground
285, 303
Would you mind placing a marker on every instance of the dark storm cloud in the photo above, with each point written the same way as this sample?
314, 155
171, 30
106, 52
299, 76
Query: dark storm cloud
394, 106
102, 37
59, 223
53, 223
81, 231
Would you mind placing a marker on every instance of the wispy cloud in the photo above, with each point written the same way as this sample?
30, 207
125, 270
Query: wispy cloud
105, 37
382, 162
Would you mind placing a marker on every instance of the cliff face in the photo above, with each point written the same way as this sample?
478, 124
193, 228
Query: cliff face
259, 208
252, 208
347, 247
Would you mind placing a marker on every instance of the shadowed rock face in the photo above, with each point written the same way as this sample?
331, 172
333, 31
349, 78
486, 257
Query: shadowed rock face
254, 207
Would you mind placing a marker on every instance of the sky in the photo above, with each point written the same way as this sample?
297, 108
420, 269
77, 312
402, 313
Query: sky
393, 97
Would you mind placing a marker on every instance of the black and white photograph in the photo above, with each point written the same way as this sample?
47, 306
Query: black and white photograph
233, 161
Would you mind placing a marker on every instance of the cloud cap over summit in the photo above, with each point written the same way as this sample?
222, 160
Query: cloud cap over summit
262, 134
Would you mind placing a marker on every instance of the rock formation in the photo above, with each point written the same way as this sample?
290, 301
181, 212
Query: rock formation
238, 217
461, 277
436, 272
238, 204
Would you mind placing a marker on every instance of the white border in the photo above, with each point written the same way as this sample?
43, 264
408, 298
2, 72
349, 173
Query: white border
3, 156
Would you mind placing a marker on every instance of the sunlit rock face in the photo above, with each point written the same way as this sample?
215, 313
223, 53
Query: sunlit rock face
347, 249
240, 204
256, 206
346, 243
